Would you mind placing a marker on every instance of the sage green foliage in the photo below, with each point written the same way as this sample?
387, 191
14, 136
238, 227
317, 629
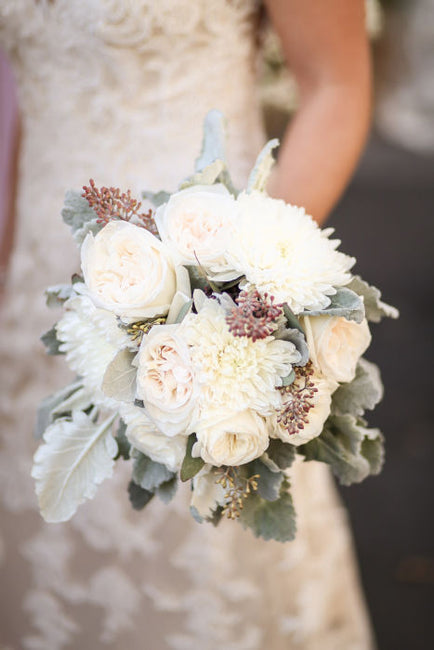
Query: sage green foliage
79, 216
167, 490
292, 319
190, 466
147, 473
51, 342
61, 404
270, 519
119, 379
156, 198
139, 497
269, 482
344, 302
297, 338
351, 449
364, 392
57, 295
375, 308
211, 166
280, 453
261, 171
124, 446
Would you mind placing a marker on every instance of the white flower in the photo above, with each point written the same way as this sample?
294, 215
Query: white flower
128, 271
145, 436
235, 373
90, 338
165, 379
336, 344
207, 494
283, 252
232, 439
317, 415
195, 225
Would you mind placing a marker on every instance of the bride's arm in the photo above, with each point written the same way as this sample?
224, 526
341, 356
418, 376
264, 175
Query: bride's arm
326, 47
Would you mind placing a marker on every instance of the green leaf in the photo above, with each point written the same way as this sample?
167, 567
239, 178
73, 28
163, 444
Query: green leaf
167, 490
345, 303
270, 519
352, 450
375, 308
124, 446
185, 309
147, 473
120, 377
156, 198
79, 216
51, 342
298, 339
292, 319
58, 294
269, 482
280, 453
190, 466
60, 404
289, 379
364, 392
139, 497
213, 142
261, 171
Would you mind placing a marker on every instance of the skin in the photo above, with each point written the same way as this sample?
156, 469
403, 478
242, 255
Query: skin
326, 48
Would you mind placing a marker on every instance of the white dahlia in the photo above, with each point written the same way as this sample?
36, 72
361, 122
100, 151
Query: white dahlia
282, 251
235, 373
90, 338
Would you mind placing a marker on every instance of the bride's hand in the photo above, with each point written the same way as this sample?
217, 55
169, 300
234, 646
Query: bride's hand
327, 49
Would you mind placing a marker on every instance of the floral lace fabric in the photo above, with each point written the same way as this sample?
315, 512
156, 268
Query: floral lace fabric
117, 90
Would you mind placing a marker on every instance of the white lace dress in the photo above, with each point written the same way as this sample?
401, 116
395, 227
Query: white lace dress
117, 90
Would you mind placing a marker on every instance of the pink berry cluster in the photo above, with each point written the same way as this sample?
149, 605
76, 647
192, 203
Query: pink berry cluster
254, 315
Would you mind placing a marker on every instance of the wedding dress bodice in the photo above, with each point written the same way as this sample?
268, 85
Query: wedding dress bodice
117, 90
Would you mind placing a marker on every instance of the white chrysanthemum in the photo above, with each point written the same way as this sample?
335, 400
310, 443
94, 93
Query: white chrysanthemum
282, 251
235, 373
90, 338
147, 438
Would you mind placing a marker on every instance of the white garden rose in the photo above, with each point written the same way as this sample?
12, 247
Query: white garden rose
282, 251
195, 225
336, 344
232, 439
128, 271
146, 437
165, 379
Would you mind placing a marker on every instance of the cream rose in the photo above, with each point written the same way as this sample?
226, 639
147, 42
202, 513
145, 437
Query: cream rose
128, 271
195, 225
165, 379
232, 440
145, 436
336, 344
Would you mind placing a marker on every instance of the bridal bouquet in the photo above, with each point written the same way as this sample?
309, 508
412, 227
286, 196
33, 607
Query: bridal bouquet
215, 337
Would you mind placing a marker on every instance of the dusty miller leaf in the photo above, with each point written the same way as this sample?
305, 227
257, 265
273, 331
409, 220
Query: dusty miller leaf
51, 342
156, 198
375, 308
79, 216
364, 392
280, 453
120, 377
298, 339
261, 171
190, 466
58, 294
62, 403
147, 473
213, 142
77, 455
166, 491
124, 446
269, 482
345, 303
270, 519
208, 176
139, 497
292, 319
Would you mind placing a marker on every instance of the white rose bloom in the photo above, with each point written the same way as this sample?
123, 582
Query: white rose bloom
234, 439
207, 495
165, 379
145, 436
90, 338
128, 271
317, 415
282, 251
195, 225
336, 344
235, 373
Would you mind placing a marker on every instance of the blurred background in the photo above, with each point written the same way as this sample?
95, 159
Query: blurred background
385, 219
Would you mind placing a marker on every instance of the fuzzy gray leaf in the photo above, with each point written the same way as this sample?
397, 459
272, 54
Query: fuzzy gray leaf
208, 176
292, 319
261, 171
156, 198
214, 140
270, 519
149, 474
51, 342
59, 404
375, 308
120, 377
345, 302
166, 491
364, 392
280, 453
57, 295
124, 446
269, 482
79, 216
298, 339
139, 497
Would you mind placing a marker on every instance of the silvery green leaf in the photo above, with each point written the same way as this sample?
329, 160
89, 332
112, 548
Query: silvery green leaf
375, 308
298, 339
280, 453
156, 198
120, 377
352, 450
213, 142
179, 308
269, 482
58, 294
124, 446
208, 176
59, 404
199, 299
364, 392
51, 342
289, 379
195, 514
139, 497
166, 491
190, 466
77, 455
79, 216
147, 473
198, 278
261, 171
344, 302
270, 519
292, 319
